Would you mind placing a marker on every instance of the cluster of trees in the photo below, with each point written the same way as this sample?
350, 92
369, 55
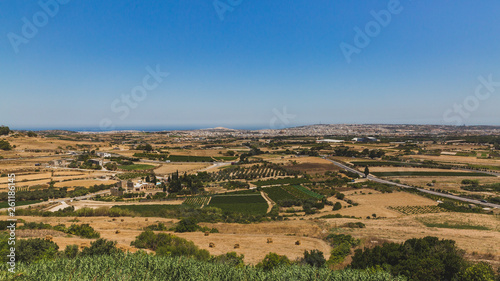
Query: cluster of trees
193, 183
33, 250
146, 147
427, 258
5, 145
4, 130
82, 230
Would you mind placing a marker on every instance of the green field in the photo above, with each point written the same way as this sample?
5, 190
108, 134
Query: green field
226, 158
281, 181
301, 192
151, 210
5, 204
139, 266
135, 167
184, 158
248, 204
430, 174
277, 193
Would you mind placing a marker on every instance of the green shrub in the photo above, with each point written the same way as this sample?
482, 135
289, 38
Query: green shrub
71, 251
83, 230
32, 250
273, 260
337, 206
314, 258
101, 247
169, 245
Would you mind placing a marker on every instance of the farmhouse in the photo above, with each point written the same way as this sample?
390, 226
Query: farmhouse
58, 163
103, 154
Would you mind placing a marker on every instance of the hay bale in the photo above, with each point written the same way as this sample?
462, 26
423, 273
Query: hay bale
123, 220
207, 233
297, 242
236, 246
117, 232
146, 219
211, 245
113, 219
269, 240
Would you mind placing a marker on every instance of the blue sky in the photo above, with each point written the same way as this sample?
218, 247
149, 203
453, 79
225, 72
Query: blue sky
237, 71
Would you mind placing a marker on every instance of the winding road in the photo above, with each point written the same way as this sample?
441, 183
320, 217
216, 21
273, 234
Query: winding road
375, 179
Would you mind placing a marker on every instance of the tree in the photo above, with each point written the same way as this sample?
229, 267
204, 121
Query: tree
273, 260
32, 250
337, 206
5, 145
101, 247
32, 134
71, 251
478, 272
314, 258
425, 258
367, 171
4, 130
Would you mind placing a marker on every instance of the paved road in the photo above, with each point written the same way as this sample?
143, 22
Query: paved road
375, 179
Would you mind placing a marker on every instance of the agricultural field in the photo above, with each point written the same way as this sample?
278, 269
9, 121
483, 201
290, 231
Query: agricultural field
249, 204
136, 167
197, 202
245, 217
277, 193
416, 210
301, 192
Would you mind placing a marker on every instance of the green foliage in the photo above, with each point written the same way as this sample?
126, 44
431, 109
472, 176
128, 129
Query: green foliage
337, 206
247, 204
133, 167
32, 250
314, 258
231, 258
273, 260
83, 230
139, 266
186, 225
477, 272
101, 247
4, 130
71, 251
5, 145
169, 245
426, 258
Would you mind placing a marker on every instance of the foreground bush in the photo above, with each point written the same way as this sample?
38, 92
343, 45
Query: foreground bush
128, 267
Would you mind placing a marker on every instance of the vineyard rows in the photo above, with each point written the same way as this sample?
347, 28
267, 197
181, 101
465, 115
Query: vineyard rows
415, 210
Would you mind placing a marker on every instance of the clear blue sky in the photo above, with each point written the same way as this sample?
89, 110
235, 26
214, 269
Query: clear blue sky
262, 57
